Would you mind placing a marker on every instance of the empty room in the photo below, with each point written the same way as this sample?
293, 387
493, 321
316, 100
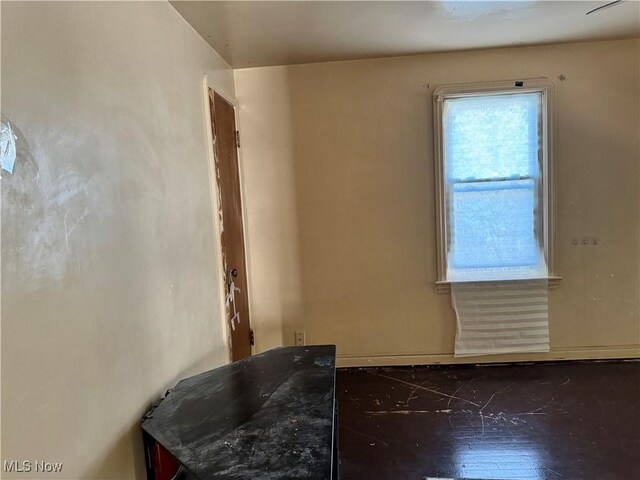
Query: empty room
323, 240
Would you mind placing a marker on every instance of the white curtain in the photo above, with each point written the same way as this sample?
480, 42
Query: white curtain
501, 317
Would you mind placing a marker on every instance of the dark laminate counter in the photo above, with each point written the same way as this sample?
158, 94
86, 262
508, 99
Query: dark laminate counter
268, 416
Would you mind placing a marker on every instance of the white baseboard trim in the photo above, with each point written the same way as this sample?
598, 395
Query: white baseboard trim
584, 353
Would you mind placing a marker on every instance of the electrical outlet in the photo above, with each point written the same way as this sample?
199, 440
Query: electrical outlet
299, 338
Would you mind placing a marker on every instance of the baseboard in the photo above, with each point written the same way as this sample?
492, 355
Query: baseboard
586, 353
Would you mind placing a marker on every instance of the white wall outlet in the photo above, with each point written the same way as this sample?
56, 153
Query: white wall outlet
299, 338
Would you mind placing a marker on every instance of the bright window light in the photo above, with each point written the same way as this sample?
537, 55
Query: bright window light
492, 186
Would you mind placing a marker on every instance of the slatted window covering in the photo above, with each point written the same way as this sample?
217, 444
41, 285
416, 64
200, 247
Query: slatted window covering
501, 317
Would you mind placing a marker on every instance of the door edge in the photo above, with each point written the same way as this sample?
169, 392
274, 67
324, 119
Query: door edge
217, 228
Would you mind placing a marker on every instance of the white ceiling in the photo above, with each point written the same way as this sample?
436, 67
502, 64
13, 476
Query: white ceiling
258, 33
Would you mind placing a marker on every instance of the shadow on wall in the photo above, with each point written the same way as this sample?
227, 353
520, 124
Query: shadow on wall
363, 187
272, 218
124, 452
127, 449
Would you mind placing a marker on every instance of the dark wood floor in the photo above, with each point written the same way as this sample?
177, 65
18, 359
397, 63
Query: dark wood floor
537, 421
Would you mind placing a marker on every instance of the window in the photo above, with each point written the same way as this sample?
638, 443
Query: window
494, 181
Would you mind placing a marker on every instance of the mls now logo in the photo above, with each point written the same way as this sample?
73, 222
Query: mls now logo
26, 466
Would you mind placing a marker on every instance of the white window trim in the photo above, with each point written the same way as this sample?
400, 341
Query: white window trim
545, 87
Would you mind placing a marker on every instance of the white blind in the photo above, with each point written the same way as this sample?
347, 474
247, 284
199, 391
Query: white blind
501, 317
493, 184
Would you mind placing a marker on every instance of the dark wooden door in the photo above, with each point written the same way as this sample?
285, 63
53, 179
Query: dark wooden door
223, 122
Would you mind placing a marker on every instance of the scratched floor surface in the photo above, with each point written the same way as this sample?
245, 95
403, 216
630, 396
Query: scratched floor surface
542, 421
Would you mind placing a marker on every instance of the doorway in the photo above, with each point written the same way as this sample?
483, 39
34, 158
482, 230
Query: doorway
225, 153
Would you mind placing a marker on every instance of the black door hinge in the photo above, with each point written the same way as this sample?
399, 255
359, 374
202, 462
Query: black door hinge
237, 139
252, 337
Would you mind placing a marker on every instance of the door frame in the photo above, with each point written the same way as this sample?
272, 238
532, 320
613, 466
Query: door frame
215, 205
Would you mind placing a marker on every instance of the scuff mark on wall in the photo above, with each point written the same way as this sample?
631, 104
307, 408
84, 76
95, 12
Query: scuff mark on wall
69, 230
54, 197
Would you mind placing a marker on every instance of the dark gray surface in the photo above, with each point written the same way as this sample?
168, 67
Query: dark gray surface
265, 417
542, 421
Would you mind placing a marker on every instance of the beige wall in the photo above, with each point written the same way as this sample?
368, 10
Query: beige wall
338, 168
109, 289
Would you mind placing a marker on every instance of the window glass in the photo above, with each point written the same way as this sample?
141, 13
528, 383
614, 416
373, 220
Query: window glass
492, 176
492, 137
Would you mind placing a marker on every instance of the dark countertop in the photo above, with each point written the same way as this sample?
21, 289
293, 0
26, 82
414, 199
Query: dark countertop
268, 416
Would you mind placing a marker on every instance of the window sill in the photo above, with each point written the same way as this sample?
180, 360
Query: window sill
443, 286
